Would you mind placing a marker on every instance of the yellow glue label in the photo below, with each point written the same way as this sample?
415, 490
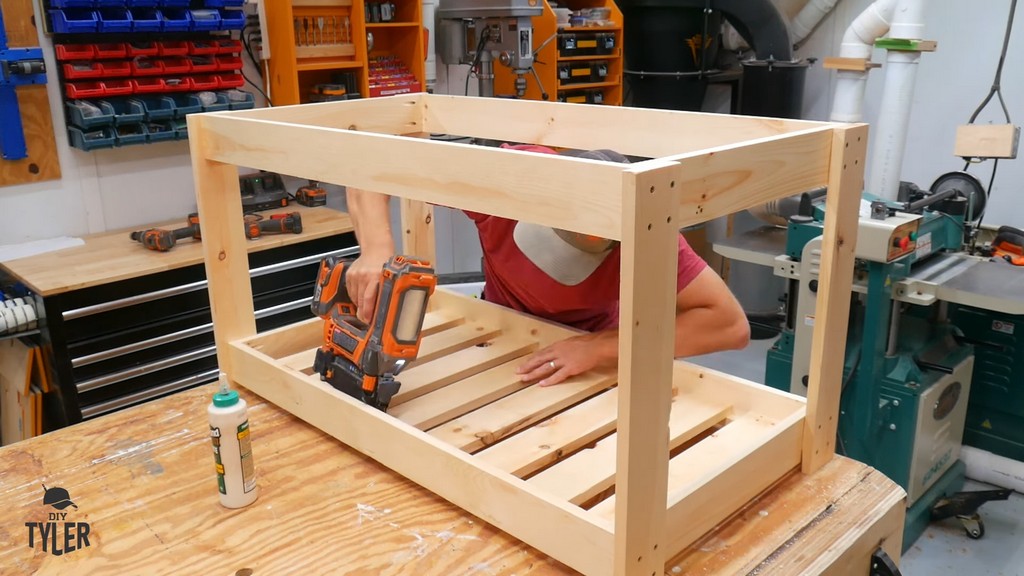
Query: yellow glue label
248, 466
587, 44
581, 72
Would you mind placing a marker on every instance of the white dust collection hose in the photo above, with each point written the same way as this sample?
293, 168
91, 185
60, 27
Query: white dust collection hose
809, 16
890, 132
985, 466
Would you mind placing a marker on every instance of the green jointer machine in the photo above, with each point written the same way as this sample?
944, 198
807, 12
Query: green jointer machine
934, 351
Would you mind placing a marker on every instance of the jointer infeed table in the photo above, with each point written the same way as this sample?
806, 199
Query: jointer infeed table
610, 473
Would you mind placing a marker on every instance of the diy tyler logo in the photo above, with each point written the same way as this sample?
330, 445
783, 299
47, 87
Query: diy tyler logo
57, 536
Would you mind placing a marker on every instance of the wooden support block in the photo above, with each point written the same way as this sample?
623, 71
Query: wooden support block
987, 141
851, 64
336, 51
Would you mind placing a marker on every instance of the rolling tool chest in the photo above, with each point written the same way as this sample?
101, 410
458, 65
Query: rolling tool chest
121, 325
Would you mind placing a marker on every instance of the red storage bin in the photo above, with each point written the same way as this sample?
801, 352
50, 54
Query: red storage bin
147, 85
229, 46
227, 63
147, 67
178, 84
204, 82
230, 80
202, 47
173, 48
84, 89
111, 50
143, 49
78, 70
114, 68
173, 66
75, 51
203, 64
117, 87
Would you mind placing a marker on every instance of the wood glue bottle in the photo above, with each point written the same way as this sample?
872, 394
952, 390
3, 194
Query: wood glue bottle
232, 448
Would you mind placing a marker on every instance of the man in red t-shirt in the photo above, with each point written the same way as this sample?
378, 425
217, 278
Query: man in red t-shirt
564, 277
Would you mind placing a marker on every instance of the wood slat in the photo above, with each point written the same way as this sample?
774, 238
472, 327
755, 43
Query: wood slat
589, 472
497, 420
424, 378
461, 397
543, 444
446, 342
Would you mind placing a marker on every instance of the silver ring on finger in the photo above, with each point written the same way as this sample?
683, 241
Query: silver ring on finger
552, 365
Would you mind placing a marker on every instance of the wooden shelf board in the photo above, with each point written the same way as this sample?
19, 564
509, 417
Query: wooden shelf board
567, 87
321, 3
392, 24
328, 65
581, 58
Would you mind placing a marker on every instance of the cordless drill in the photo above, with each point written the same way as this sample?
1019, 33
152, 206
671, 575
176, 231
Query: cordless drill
281, 223
160, 240
362, 360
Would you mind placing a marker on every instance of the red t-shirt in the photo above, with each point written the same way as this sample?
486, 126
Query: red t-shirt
512, 280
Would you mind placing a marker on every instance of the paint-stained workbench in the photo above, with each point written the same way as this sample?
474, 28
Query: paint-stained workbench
143, 480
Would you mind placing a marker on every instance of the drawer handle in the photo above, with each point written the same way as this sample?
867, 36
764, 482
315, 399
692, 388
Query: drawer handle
116, 403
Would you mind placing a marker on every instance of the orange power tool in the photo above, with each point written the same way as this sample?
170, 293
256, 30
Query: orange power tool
363, 360
1009, 245
161, 240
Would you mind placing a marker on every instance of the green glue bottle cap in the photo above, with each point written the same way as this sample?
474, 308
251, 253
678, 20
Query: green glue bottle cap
225, 399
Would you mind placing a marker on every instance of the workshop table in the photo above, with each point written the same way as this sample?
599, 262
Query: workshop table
143, 481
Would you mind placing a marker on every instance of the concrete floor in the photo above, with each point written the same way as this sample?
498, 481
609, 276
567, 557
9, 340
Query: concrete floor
944, 549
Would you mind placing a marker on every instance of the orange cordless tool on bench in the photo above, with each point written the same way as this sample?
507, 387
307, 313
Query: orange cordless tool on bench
363, 360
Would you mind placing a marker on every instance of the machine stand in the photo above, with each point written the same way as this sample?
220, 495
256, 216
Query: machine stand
964, 505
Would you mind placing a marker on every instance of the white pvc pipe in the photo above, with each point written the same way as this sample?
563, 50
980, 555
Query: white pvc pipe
429, 10
890, 131
990, 468
858, 42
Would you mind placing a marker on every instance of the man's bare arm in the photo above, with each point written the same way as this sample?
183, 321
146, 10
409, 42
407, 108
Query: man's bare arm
371, 217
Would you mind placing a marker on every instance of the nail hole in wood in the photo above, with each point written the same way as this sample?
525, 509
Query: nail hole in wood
652, 189
648, 226
668, 220
33, 168
672, 184
244, 572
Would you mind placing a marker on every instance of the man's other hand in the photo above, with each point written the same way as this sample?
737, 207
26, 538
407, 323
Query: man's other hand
555, 363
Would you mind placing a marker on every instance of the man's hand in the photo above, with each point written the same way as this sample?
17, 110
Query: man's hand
362, 280
561, 360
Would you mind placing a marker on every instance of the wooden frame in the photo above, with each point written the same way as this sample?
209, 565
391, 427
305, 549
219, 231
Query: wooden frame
542, 463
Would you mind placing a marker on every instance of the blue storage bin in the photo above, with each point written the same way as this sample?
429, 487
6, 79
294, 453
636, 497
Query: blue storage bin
74, 21
180, 130
175, 3
115, 20
205, 19
160, 131
128, 134
142, 3
185, 104
220, 105
155, 108
176, 19
91, 139
72, 3
232, 19
224, 3
109, 3
247, 101
82, 113
146, 20
126, 110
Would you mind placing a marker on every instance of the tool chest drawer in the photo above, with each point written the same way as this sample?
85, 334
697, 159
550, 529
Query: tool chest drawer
118, 344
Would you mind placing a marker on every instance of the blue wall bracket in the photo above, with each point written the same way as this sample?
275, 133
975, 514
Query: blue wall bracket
18, 67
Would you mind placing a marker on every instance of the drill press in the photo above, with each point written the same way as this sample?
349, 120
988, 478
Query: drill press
478, 32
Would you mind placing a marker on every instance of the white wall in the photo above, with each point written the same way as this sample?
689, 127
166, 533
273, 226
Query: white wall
126, 187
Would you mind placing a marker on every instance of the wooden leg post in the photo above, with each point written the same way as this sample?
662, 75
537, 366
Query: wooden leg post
646, 344
418, 238
227, 259
845, 184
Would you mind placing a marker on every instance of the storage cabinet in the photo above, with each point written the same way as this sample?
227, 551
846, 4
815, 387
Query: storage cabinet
331, 49
580, 63
140, 326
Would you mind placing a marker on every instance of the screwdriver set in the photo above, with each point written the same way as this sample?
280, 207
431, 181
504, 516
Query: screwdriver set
323, 30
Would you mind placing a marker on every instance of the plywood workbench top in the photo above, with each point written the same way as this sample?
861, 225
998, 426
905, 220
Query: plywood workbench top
143, 481
113, 256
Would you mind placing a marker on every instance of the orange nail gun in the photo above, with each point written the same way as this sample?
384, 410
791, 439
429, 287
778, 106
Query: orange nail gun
363, 360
